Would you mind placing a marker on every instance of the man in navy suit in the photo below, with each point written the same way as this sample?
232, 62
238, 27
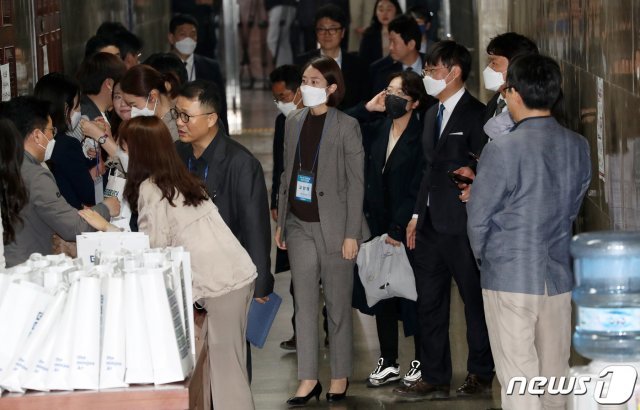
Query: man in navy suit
183, 38
437, 231
331, 26
527, 194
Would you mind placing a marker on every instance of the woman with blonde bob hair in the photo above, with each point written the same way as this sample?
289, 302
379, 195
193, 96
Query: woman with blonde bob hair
174, 210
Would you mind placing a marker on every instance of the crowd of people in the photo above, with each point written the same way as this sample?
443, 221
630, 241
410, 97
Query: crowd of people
383, 140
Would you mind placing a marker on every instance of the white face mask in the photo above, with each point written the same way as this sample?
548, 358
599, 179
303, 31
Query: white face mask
144, 112
124, 159
313, 96
48, 150
285, 108
493, 79
434, 87
75, 119
186, 46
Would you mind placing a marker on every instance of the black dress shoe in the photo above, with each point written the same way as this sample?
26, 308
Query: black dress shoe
475, 385
289, 344
335, 397
424, 390
298, 401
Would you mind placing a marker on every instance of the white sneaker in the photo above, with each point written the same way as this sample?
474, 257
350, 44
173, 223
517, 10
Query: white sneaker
383, 373
413, 375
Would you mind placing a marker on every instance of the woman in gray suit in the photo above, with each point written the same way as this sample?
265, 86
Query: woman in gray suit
323, 181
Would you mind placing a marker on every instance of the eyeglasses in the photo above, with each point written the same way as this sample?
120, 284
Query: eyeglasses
331, 30
396, 92
54, 130
429, 71
184, 117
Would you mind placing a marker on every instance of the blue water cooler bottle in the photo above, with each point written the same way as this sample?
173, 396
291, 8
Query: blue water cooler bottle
607, 301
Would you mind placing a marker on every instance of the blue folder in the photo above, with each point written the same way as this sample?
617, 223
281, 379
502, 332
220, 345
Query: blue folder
261, 318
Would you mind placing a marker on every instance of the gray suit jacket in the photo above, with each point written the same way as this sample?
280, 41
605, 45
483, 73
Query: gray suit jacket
46, 213
339, 178
527, 193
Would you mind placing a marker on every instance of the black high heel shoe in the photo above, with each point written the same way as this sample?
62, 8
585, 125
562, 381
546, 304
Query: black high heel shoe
298, 401
335, 397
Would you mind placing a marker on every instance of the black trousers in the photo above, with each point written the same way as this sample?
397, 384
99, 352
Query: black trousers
387, 315
438, 257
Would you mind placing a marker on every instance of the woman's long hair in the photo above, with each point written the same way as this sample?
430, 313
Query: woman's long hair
375, 24
13, 195
153, 155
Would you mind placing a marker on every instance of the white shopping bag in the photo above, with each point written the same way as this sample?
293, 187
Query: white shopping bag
170, 351
181, 261
113, 353
89, 243
138, 355
59, 367
115, 188
20, 311
27, 358
385, 271
85, 365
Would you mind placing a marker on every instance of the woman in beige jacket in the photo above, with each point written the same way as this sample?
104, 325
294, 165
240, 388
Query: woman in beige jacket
174, 210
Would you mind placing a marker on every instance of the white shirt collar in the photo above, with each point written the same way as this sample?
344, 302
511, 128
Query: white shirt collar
451, 102
337, 59
416, 66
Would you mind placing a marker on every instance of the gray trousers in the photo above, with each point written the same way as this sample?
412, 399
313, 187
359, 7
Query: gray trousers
227, 321
311, 263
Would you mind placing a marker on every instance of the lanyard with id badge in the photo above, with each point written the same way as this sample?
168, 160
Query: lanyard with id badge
306, 179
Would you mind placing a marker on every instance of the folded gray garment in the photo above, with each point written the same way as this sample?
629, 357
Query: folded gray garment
499, 125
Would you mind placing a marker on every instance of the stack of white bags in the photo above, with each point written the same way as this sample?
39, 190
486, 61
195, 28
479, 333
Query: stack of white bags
66, 324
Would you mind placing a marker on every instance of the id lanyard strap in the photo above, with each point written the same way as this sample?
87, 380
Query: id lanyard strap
324, 130
206, 170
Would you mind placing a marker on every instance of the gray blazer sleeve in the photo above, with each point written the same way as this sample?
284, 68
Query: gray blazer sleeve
487, 194
354, 163
52, 208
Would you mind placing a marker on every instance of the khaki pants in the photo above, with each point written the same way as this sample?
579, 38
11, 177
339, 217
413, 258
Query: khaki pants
227, 321
530, 336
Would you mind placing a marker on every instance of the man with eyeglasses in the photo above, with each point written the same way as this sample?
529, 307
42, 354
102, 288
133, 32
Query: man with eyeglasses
438, 229
232, 176
330, 27
46, 212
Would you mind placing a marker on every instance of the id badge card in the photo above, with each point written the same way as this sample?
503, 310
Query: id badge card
304, 186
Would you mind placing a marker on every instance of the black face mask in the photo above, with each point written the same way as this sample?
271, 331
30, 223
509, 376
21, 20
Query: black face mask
396, 106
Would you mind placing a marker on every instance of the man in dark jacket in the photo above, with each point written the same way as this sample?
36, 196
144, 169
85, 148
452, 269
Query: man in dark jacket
183, 38
331, 26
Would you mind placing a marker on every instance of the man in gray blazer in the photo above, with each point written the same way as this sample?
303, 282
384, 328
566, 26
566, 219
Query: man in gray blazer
46, 212
527, 193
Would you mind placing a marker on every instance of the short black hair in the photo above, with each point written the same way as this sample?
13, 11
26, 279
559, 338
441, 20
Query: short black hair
96, 43
27, 113
450, 53
510, 45
110, 29
97, 68
168, 62
180, 19
419, 12
128, 43
206, 92
288, 73
407, 28
60, 91
537, 79
333, 12
412, 86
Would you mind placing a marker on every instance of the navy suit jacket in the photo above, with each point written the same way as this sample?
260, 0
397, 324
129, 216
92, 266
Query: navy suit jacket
462, 134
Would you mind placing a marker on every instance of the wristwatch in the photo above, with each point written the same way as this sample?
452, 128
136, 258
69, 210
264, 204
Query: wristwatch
102, 139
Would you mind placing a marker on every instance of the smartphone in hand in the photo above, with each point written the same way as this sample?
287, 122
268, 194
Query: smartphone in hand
459, 179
